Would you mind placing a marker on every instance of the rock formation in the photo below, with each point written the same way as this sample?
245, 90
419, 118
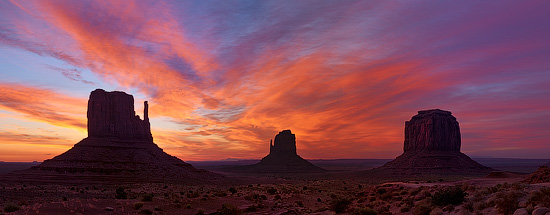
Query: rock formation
432, 130
432, 146
119, 144
282, 158
112, 115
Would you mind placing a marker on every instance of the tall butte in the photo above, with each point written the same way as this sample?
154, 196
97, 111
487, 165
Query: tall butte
432, 146
119, 144
282, 158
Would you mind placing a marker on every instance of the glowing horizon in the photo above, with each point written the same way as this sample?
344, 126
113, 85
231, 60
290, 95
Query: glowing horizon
224, 78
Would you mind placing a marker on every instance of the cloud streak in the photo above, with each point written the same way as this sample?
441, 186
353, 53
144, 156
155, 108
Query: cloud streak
344, 76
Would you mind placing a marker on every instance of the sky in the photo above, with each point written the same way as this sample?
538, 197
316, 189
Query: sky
224, 77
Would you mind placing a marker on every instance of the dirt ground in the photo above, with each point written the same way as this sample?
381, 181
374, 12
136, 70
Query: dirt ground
331, 193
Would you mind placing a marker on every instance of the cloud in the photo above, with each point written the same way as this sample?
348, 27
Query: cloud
44, 105
72, 74
344, 76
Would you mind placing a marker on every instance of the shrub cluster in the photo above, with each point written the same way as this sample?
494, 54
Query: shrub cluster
449, 195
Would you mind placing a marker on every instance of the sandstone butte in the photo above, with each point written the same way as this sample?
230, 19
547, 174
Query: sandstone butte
432, 146
120, 145
282, 158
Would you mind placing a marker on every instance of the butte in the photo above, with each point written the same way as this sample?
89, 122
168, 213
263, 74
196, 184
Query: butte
119, 147
432, 147
282, 158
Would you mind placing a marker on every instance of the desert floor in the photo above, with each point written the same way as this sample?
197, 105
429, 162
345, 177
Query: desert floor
338, 191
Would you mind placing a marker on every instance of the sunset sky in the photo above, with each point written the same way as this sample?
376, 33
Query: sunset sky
224, 77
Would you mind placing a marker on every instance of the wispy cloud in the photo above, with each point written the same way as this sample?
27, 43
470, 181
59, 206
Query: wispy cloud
344, 76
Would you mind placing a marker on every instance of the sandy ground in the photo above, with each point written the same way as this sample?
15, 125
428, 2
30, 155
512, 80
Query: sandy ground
331, 193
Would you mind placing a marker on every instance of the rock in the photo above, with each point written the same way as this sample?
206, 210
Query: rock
541, 175
285, 143
432, 146
111, 114
119, 147
521, 211
540, 211
432, 130
282, 158
109, 209
522, 203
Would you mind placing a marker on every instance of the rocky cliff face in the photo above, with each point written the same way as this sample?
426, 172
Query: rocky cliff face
111, 114
282, 158
285, 143
119, 147
432, 130
432, 146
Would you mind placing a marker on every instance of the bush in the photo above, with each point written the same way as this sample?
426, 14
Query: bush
449, 195
228, 209
271, 190
507, 201
232, 190
11, 207
138, 205
147, 197
364, 211
436, 211
146, 211
423, 209
340, 205
381, 191
541, 197
120, 193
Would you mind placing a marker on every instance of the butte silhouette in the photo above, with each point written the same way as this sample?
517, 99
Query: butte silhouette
432, 146
119, 144
282, 158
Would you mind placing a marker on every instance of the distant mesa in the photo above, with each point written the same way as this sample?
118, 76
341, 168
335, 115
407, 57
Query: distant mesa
119, 143
432, 145
282, 158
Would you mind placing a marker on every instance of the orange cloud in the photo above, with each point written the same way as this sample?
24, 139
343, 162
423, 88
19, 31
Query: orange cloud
44, 105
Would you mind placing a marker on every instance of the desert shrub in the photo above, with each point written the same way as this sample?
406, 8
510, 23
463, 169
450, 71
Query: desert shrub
340, 205
449, 195
11, 207
146, 211
200, 212
436, 211
386, 196
480, 205
120, 193
381, 191
541, 197
507, 201
271, 191
228, 209
422, 209
232, 190
364, 211
138, 205
416, 191
188, 206
193, 195
469, 206
147, 197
